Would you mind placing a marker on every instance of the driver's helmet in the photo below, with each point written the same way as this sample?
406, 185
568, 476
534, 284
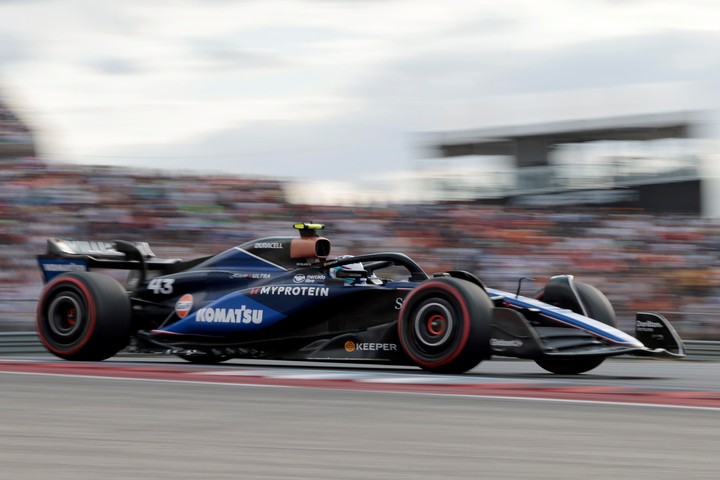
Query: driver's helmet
350, 267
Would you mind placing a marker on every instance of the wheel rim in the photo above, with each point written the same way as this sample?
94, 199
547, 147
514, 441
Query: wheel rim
433, 324
65, 317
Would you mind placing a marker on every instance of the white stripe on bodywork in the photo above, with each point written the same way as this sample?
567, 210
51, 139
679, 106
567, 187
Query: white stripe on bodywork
568, 317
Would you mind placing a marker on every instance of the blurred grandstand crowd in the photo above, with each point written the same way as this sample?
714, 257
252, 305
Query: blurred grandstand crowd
641, 262
12, 130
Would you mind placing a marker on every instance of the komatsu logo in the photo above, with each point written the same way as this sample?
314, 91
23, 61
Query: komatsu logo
293, 291
229, 315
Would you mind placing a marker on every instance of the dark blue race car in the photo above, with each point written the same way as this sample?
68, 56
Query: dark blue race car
285, 298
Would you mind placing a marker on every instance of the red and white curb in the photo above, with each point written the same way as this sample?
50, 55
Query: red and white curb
375, 380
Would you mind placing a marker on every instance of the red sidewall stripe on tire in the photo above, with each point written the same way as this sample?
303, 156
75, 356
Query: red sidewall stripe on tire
91, 314
465, 329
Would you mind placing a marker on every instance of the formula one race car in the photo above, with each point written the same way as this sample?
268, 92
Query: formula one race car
283, 298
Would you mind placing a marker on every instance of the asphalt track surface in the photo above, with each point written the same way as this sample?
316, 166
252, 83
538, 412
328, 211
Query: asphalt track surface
137, 418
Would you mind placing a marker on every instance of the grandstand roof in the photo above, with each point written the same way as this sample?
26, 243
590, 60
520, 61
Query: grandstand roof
507, 140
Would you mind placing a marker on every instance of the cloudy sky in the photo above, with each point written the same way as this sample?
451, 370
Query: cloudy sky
328, 88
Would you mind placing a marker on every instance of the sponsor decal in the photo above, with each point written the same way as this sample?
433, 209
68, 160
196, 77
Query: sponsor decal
76, 246
399, 303
311, 278
647, 326
351, 346
229, 315
302, 278
64, 267
295, 291
102, 248
184, 305
250, 275
268, 245
496, 342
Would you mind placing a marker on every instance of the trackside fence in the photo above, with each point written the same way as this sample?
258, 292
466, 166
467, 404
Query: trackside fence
14, 343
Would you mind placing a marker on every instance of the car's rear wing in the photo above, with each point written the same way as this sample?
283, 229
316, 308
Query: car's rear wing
74, 255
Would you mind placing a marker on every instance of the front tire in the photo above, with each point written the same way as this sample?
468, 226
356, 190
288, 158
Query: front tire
598, 308
84, 316
444, 325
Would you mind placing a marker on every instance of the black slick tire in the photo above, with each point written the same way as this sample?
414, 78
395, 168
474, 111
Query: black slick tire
84, 316
598, 308
444, 325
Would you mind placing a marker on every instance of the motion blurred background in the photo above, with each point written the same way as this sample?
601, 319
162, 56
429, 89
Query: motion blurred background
510, 139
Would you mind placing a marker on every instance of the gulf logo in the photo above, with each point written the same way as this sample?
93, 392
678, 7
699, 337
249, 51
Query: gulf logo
184, 305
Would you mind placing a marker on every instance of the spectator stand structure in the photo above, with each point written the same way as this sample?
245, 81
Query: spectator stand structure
646, 161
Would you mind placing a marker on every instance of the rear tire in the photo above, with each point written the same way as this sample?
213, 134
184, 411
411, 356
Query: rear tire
598, 308
84, 316
444, 325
